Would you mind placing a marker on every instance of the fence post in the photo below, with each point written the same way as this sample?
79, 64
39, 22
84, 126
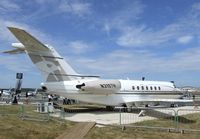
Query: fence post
177, 120
48, 112
62, 112
120, 117
22, 111
2, 109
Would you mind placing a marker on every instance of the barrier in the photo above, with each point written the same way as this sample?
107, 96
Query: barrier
177, 119
147, 117
33, 112
180, 119
7, 109
188, 120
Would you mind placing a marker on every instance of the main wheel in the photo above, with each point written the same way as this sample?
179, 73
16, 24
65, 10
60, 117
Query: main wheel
110, 108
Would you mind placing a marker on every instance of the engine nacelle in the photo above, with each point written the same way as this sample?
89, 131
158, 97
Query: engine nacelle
100, 86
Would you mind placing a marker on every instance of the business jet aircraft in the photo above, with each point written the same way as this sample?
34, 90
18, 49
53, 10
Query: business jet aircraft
62, 80
6, 92
32, 93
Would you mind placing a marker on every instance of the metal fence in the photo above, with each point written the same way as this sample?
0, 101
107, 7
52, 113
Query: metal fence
34, 112
188, 120
26, 112
7, 110
178, 119
160, 118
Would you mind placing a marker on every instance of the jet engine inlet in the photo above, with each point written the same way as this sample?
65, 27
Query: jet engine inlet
44, 88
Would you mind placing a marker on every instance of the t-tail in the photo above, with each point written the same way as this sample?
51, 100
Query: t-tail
47, 60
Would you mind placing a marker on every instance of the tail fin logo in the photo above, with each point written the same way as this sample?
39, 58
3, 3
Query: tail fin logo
50, 67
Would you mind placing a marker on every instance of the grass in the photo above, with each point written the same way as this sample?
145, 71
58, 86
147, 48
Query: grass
13, 127
190, 121
132, 133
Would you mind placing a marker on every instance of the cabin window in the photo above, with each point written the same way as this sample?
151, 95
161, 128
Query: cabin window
147, 88
133, 87
142, 87
138, 88
151, 87
159, 88
155, 88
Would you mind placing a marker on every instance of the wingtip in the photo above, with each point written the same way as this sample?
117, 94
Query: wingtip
10, 28
14, 28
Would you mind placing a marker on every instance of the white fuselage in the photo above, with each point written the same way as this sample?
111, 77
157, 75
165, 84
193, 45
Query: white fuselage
61, 79
6, 92
130, 91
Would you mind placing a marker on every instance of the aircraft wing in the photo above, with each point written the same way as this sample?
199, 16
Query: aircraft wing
30, 42
135, 100
153, 102
171, 100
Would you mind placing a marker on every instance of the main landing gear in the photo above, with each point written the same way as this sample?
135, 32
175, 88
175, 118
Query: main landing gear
110, 108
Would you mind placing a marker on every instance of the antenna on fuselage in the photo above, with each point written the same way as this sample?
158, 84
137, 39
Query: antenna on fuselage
173, 83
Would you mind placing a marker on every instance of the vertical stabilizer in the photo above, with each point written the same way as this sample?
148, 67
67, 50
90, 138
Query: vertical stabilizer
48, 61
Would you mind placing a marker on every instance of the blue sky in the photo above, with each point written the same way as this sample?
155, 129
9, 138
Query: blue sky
118, 39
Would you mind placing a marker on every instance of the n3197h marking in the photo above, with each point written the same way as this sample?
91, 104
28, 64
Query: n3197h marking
108, 85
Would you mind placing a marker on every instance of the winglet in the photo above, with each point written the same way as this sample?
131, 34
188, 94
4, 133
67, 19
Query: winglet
30, 42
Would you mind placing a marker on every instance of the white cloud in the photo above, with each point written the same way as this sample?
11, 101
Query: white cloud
185, 39
141, 36
8, 37
78, 47
134, 37
134, 34
9, 6
196, 6
47, 8
129, 12
77, 8
15, 63
124, 61
107, 29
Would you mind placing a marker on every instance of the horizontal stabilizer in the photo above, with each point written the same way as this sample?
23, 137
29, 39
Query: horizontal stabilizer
30, 42
14, 51
83, 76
